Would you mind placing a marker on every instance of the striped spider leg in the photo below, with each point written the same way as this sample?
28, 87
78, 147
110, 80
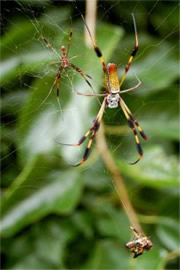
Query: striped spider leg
139, 244
64, 63
112, 98
90, 133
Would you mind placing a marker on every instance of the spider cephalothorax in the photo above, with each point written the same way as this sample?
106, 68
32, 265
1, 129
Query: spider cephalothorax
112, 100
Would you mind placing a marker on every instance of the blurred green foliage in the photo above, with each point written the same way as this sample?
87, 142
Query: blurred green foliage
57, 217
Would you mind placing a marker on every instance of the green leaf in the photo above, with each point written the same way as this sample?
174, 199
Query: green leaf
109, 224
160, 118
83, 221
51, 238
108, 254
168, 232
44, 243
30, 262
44, 191
12, 102
153, 259
18, 60
156, 169
153, 70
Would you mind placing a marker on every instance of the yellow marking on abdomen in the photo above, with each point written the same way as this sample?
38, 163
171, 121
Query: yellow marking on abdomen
113, 80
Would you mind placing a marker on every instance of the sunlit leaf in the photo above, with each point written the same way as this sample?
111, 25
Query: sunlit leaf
108, 254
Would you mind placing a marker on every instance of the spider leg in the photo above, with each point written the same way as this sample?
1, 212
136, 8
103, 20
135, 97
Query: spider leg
69, 40
58, 89
96, 48
83, 74
92, 132
76, 56
134, 120
136, 233
133, 53
53, 63
56, 82
131, 125
91, 95
131, 89
49, 45
94, 129
83, 138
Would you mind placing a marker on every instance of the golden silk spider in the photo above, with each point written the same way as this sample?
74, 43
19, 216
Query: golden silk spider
64, 63
112, 98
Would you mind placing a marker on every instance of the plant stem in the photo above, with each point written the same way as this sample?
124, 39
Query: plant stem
91, 7
117, 178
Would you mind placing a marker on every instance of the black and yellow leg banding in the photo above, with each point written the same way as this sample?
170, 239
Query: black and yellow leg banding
133, 53
142, 133
49, 45
99, 55
56, 82
70, 36
84, 137
57, 85
139, 148
139, 128
91, 132
87, 151
83, 74
57, 92
131, 125
69, 41
96, 48
87, 75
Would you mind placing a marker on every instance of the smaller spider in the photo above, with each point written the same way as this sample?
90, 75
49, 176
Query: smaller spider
64, 63
139, 244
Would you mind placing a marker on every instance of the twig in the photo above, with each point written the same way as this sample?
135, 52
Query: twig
91, 7
117, 179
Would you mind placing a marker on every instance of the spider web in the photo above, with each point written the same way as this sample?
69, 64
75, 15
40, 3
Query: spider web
77, 113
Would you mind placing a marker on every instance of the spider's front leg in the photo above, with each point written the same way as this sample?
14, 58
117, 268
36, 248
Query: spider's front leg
133, 53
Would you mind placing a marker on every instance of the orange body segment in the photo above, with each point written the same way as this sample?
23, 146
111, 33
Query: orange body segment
112, 78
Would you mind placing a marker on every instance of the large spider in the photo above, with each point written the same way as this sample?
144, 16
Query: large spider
112, 99
64, 63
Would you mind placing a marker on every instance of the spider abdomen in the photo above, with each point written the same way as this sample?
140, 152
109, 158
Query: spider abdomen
112, 78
